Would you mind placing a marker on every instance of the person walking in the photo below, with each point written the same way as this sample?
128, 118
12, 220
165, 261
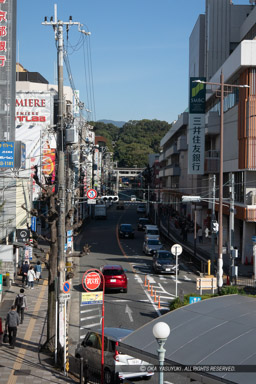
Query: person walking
21, 304
38, 271
200, 235
12, 322
24, 272
31, 277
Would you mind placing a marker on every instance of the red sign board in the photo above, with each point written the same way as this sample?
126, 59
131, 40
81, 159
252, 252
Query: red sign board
92, 194
92, 281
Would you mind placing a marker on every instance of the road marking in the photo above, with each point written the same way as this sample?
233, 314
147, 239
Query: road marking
89, 317
90, 325
186, 278
89, 310
129, 312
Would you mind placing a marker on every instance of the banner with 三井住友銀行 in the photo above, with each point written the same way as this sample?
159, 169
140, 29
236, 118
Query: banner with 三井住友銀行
196, 126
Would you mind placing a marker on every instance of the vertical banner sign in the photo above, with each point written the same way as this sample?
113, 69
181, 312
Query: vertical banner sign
196, 131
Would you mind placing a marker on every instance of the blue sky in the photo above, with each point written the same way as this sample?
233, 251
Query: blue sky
139, 52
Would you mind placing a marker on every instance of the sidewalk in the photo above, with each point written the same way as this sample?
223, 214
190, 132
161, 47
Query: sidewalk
26, 364
204, 248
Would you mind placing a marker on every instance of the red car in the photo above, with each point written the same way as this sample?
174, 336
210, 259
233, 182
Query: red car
115, 277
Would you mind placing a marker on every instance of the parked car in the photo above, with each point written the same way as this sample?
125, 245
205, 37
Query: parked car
133, 197
115, 278
151, 232
141, 208
143, 221
126, 230
164, 262
90, 350
152, 245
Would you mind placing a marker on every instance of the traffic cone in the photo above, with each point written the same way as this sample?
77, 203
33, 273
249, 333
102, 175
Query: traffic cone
155, 300
228, 282
159, 306
145, 284
151, 291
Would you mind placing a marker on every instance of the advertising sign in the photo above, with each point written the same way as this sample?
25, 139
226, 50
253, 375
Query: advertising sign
92, 298
1, 283
196, 128
22, 235
7, 154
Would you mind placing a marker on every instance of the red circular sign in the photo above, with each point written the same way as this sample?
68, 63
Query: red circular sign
92, 281
91, 194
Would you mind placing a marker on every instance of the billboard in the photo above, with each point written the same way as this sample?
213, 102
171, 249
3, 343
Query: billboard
196, 126
8, 12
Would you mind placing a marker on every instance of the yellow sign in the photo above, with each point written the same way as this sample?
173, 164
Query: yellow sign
92, 297
67, 366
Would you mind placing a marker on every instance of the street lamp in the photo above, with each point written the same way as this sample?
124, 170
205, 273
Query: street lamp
221, 85
161, 332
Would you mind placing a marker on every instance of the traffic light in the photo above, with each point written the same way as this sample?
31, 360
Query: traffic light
215, 226
114, 199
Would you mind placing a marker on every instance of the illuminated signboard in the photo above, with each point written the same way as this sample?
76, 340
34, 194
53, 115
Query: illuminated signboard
7, 154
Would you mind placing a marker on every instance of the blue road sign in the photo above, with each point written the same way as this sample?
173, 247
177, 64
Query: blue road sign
66, 287
33, 223
194, 299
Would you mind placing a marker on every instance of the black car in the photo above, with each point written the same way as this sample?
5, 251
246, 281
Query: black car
142, 222
126, 231
164, 262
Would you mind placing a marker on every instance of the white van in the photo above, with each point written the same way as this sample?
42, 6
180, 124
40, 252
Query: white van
151, 232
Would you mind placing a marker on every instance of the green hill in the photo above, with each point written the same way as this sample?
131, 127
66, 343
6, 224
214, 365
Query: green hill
133, 142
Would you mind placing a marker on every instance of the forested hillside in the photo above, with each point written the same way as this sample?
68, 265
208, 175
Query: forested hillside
132, 143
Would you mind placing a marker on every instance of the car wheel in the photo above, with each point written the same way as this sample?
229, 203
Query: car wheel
108, 377
147, 377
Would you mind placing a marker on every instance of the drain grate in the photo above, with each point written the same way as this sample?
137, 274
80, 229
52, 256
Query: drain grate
22, 372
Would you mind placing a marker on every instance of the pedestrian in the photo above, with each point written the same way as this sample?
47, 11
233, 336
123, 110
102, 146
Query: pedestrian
21, 304
38, 271
206, 232
11, 324
200, 235
31, 277
24, 272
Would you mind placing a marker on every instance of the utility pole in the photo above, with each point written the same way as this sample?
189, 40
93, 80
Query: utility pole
231, 222
212, 219
60, 184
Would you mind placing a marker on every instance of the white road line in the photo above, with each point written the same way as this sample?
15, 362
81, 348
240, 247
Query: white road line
186, 278
90, 325
89, 317
116, 301
89, 310
137, 278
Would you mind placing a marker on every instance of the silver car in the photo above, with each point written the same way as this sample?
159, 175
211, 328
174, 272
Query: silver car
90, 350
164, 262
151, 245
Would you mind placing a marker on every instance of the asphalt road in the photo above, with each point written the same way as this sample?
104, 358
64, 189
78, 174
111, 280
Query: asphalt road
138, 306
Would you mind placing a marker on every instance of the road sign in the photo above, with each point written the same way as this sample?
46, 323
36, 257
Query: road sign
176, 249
91, 201
92, 297
91, 194
92, 281
64, 296
66, 287
194, 299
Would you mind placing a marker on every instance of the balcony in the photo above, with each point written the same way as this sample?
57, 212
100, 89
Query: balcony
171, 151
213, 125
212, 162
172, 170
182, 143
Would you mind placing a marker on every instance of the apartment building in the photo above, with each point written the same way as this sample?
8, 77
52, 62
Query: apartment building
222, 40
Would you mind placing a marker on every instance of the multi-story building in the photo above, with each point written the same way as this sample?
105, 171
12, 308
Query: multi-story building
223, 40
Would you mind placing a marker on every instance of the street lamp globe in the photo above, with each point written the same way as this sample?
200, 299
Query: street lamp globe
161, 330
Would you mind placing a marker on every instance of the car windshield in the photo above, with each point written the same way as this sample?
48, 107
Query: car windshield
112, 272
152, 232
165, 255
154, 242
126, 227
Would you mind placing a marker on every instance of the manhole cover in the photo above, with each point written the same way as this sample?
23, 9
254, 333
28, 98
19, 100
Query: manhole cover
22, 372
